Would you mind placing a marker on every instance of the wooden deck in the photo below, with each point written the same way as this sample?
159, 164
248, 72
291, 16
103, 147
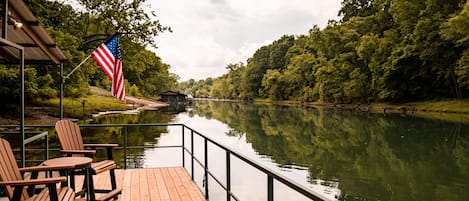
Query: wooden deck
153, 184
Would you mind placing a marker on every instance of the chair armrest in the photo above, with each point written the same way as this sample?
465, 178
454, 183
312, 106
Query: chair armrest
33, 181
108, 147
46, 168
100, 145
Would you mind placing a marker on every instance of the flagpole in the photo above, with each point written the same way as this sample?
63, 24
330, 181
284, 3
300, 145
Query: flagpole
82, 62
69, 74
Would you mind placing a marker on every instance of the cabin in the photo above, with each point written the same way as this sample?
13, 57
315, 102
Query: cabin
173, 98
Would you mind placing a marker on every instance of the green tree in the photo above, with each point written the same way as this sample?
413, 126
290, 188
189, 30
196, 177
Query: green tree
356, 8
273, 85
252, 77
456, 29
381, 50
80, 32
128, 17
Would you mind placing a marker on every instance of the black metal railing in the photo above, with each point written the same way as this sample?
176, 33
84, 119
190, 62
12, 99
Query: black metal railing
270, 175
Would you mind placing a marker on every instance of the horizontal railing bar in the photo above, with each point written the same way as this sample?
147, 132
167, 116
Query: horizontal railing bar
290, 183
136, 147
117, 148
216, 180
129, 125
29, 126
199, 162
98, 125
210, 173
33, 160
33, 149
17, 132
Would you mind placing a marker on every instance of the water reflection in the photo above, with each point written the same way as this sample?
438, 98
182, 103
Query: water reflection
173, 109
340, 153
369, 156
130, 137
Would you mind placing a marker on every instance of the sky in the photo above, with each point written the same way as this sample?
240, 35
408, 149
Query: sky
210, 34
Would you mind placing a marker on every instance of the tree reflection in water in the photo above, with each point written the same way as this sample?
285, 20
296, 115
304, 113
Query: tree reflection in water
369, 156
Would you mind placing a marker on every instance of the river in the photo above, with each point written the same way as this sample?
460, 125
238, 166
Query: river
344, 154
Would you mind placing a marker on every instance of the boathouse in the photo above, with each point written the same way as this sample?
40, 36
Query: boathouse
173, 97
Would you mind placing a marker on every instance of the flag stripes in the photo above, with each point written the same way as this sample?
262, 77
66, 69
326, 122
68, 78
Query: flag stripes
105, 60
109, 58
118, 83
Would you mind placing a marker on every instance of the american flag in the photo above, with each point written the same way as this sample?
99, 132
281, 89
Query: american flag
109, 58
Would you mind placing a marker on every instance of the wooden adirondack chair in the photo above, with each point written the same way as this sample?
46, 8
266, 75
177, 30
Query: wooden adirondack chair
11, 178
72, 145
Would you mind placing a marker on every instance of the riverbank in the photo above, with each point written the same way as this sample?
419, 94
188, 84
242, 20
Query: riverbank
460, 106
99, 100
447, 110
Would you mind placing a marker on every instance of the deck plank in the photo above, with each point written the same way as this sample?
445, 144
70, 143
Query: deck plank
144, 187
182, 192
135, 185
150, 184
126, 186
153, 186
172, 189
191, 187
163, 191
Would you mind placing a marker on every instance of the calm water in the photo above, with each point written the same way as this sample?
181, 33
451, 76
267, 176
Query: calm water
367, 156
348, 154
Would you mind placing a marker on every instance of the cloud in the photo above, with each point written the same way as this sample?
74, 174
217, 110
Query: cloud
210, 34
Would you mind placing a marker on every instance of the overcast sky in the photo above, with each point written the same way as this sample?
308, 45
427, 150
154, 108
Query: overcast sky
210, 34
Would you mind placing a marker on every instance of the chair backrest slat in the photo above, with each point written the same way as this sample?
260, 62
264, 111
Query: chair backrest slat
69, 135
9, 170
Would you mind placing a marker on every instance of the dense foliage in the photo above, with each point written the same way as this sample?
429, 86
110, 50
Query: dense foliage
199, 88
380, 50
78, 32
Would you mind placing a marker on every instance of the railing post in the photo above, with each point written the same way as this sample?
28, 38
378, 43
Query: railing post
183, 146
206, 168
270, 188
22, 103
228, 176
4, 19
62, 80
192, 154
47, 146
125, 147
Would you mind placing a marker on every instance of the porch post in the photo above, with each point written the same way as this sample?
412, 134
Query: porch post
62, 80
4, 18
23, 155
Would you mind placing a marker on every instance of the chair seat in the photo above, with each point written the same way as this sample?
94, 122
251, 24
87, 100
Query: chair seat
65, 194
103, 166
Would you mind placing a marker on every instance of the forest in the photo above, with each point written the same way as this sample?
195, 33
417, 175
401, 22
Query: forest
78, 30
379, 51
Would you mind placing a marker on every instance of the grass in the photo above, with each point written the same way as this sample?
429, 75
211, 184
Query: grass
460, 106
451, 117
447, 106
73, 107
456, 110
